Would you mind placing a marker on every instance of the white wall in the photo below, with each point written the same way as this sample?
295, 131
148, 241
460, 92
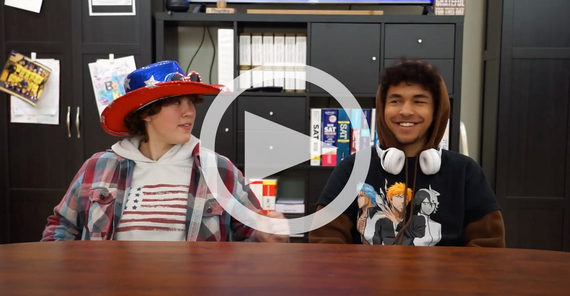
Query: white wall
188, 42
472, 75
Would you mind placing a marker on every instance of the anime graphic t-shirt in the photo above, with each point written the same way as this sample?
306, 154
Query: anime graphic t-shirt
381, 215
443, 204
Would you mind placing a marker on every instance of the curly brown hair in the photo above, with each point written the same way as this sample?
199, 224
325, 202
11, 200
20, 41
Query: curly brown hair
134, 121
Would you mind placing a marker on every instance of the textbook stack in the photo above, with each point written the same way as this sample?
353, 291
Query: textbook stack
267, 60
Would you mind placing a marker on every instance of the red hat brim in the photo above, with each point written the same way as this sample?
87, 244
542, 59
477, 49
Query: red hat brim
113, 117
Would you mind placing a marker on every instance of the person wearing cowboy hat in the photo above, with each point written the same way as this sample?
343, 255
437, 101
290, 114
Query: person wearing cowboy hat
420, 194
152, 184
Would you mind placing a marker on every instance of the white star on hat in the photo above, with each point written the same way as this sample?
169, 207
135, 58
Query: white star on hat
127, 86
151, 82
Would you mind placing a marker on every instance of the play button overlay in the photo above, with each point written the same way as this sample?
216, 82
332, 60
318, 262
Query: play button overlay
269, 149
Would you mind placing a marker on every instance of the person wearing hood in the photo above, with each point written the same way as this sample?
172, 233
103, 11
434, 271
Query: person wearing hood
454, 206
152, 186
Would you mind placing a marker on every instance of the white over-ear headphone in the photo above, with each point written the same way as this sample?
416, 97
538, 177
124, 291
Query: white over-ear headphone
393, 160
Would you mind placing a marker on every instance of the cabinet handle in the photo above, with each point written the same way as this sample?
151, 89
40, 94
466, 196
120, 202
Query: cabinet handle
227, 129
77, 123
68, 121
420, 41
270, 113
373, 58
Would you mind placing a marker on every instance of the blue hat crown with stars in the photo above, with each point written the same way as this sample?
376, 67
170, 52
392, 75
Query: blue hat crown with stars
151, 75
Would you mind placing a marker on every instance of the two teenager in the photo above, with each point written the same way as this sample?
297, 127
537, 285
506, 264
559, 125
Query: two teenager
151, 185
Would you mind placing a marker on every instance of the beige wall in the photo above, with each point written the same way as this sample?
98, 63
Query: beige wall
472, 75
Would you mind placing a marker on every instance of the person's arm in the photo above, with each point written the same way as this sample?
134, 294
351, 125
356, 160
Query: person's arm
489, 231
63, 225
484, 225
235, 183
339, 230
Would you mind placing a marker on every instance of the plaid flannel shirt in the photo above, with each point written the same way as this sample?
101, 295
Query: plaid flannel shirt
92, 206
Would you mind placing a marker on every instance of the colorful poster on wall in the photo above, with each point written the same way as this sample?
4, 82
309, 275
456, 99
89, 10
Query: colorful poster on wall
46, 111
24, 78
108, 77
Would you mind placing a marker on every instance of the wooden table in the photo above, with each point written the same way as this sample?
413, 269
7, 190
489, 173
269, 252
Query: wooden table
157, 268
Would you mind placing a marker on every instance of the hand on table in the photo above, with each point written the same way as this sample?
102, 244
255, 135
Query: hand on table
278, 229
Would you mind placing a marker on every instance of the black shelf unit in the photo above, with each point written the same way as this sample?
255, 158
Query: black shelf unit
361, 45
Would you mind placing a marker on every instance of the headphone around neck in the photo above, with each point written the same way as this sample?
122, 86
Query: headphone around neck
393, 160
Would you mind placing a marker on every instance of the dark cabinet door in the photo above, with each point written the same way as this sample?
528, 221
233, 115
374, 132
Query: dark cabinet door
40, 158
526, 105
286, 111
348, 52
424, 41
225, 133
532, 161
